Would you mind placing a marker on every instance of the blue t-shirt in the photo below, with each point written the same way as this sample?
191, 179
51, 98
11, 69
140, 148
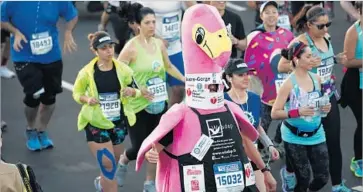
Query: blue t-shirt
37, 21
251, 108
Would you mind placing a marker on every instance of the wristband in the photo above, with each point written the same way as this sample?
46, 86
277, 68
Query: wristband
294, 113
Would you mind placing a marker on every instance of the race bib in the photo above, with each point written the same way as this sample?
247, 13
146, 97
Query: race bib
110, 105
325, 73
284, 21
171, 26
229, 176
41, 43
278, 84
157, 87
194, 178
250, 174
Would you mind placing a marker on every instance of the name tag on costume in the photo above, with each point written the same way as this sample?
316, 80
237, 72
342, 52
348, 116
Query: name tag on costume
157, 87
110, 105
41, 43
229, 176
194, 178
202, 147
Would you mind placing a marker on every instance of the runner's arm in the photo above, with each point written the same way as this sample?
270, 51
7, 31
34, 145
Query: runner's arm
5, 18
170, 68
349, 8
80, 87
278, 111
105, 16
70, 14
127, 53
252, 152
350, 44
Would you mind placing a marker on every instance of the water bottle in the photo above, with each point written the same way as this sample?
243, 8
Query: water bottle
325, 100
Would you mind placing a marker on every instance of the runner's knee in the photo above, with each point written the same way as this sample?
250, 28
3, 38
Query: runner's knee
47, 99
29, 101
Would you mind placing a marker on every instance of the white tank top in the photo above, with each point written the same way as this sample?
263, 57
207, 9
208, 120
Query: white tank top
168, 22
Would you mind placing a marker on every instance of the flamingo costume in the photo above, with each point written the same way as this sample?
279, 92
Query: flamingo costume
206, 50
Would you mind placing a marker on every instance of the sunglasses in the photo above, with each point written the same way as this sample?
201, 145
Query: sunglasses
321, 26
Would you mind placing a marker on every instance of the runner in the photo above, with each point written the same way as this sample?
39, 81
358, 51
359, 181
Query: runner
236, 76
5, 54
104, 109
37, 58
352, 85
314, 22
168, 24
148, 58
235, 25
267, 78
301, 104
211, 137
284, 13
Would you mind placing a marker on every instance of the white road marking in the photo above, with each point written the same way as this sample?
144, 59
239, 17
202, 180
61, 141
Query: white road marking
358, 188
68, 86
235, 7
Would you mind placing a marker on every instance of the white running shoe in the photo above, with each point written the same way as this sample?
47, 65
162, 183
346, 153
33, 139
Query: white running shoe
6, 73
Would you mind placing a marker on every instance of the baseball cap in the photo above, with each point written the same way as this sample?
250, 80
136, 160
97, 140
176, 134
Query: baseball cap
263, 6
237, 68
101, 40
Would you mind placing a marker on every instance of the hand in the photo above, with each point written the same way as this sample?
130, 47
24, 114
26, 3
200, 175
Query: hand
316, 61
274, 153
306, 111
152, 155
92, 101
128, 92
341, 58
145, 93
69, 44
326, 108
17, 41
270, 182
234, 40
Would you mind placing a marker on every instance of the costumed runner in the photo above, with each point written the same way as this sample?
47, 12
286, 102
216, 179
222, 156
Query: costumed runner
212, 138
263, 53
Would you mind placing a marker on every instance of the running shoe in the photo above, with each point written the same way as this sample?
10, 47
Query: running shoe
97, 183
356, 167
341, 188
288, 180
45, 141
6, 73
149, 186
121, 174
33, 142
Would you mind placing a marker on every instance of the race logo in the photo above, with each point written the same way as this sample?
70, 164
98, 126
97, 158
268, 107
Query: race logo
156, 66
215, 128
250, 117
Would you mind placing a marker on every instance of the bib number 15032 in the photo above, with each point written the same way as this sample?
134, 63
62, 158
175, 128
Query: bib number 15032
229, 179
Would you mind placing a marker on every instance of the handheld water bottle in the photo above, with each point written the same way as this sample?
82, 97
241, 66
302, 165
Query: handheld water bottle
324, 101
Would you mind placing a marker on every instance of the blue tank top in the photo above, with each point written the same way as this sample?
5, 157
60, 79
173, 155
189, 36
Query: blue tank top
325, 70
251, 108
359, 50
300, 98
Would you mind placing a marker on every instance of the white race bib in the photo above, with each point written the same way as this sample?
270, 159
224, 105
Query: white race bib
159, 90
171, 26
250, 174
325, 73
229, 176
278, 84
110, 105
194, 178
41, 43
284, 21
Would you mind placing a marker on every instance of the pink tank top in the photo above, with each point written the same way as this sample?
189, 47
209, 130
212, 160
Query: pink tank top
261, 55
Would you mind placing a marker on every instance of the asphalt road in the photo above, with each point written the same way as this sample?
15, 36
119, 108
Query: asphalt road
70, 167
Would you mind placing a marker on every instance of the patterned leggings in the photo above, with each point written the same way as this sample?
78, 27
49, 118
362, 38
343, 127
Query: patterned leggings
302, 157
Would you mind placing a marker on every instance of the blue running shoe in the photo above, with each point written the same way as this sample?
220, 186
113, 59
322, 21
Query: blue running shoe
33, 142
356, 167
45, 142
341, 188
288, 180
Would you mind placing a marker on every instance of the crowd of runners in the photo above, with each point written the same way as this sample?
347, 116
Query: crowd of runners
283, 71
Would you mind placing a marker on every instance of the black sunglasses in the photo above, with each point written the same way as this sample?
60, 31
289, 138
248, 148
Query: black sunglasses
321, 26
